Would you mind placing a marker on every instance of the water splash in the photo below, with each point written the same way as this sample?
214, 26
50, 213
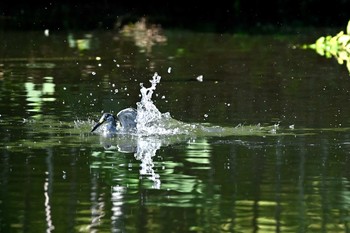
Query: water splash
147, 112
150, 121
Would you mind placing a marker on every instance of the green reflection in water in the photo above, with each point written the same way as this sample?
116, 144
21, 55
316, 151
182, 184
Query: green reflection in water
198, 152
37, 94
337, 46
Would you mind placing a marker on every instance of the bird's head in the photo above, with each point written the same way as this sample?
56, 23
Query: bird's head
106, 118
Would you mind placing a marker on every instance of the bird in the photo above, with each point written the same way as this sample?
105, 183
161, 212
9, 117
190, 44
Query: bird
125, 121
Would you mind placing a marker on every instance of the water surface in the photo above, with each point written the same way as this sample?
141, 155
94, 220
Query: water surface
263, 142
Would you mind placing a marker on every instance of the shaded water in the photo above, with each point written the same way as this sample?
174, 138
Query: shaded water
262, 141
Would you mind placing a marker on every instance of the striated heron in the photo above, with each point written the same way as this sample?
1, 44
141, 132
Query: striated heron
124, 122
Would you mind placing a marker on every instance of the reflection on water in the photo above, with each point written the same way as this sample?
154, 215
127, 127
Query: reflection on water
262, 142
145, 35
146, 150
48, 192
238, 193
143, 148
39, 93
198, 152
334, 46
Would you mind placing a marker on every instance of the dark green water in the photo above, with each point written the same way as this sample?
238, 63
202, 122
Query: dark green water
57, 177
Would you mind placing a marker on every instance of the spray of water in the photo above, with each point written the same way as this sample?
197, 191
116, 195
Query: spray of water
150, 121
147, 112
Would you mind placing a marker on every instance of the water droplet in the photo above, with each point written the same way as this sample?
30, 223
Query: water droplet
46, 32
200, 78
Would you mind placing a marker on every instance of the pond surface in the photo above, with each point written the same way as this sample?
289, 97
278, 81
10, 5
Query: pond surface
256, 136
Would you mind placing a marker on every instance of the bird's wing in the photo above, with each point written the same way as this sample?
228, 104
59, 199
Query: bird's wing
127, 118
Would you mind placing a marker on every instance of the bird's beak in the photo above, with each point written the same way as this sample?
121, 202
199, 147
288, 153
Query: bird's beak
97, 125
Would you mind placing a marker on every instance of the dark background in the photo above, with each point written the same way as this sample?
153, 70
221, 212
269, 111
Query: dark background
215, 16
